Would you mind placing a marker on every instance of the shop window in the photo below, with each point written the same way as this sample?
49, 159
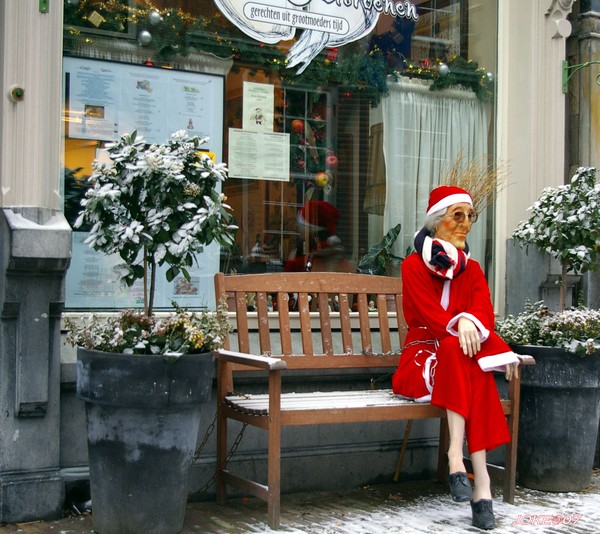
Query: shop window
437, 35
268, 209
328, 117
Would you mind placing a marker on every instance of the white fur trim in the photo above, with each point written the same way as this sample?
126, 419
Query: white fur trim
445, 301
334, 240
446, 202
484, 333
430, 363
497, 362
311, 227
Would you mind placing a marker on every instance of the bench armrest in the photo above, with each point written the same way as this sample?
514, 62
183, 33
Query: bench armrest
251, 360
526, 359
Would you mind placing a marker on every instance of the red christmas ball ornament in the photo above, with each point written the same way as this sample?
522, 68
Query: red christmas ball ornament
297, 126
332, 160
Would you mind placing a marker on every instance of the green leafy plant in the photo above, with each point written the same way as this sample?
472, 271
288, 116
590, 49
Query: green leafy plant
565, 223
155, 205
75, 189
379, 257
577, 330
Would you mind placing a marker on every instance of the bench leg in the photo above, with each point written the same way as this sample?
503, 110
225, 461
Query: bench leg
510, 473
403, 449
510, 451
274, 451
274, 491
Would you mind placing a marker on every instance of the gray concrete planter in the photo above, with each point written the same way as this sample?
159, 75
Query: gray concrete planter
143, 414
558, 423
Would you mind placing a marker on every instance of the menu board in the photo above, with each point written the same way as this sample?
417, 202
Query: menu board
92, 283
104, 100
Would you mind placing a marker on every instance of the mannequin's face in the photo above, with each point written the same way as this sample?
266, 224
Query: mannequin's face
456, 224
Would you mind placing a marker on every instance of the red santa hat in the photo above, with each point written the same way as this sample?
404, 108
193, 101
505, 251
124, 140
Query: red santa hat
445, 196
319, 215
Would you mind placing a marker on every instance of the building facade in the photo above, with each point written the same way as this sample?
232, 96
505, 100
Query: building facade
364, 110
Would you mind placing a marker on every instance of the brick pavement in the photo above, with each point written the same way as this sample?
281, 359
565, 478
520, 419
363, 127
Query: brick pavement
415, 507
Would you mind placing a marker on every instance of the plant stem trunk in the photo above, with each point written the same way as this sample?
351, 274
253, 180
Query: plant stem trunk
152, 285
563, 286
145, 283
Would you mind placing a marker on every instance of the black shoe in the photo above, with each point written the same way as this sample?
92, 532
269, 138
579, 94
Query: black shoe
460, 487
483, 515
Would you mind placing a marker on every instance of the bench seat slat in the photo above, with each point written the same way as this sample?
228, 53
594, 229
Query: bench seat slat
316, 400
332, 400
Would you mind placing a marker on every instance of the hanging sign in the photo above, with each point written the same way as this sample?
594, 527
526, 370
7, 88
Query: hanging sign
325, 23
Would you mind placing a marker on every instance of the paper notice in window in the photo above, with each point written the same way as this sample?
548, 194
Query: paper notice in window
259, 101
259, 155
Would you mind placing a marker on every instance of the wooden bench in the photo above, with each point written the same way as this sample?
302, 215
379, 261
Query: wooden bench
331, 308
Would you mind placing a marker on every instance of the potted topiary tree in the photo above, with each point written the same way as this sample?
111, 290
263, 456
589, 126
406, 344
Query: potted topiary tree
560, 400
564, 223
144, 378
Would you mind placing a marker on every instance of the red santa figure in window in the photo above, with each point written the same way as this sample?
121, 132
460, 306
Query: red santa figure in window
316, 222
451, 346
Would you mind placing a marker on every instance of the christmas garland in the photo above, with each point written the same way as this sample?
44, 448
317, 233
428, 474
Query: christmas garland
166, 33
457, 72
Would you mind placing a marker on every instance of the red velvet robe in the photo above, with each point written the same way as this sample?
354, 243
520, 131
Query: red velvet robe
432, 362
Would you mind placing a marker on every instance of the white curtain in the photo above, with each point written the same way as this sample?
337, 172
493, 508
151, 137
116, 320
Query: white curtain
424, 132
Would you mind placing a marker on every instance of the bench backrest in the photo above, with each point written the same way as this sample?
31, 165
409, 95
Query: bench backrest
342, 320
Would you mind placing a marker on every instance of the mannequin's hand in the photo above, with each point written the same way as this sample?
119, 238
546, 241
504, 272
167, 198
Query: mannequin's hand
511, 370
468, 337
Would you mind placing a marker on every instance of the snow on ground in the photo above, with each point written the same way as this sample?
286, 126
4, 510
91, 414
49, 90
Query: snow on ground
409, 507
533, 511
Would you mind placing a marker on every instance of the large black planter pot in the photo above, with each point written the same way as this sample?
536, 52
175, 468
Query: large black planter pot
558, 423
143, 414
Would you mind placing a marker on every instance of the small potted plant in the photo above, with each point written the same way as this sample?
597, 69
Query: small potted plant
560, 401
144, 378
380, 258
575, 330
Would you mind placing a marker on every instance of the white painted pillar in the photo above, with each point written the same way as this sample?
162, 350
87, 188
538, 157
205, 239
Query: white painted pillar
30, 140
35, 246
531, 112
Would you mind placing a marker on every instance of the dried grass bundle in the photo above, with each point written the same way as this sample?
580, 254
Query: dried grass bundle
480, 177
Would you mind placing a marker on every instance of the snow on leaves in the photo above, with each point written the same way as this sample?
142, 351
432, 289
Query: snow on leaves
160, 202
565, 221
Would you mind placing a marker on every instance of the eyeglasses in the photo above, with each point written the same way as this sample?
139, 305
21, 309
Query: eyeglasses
460, 216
